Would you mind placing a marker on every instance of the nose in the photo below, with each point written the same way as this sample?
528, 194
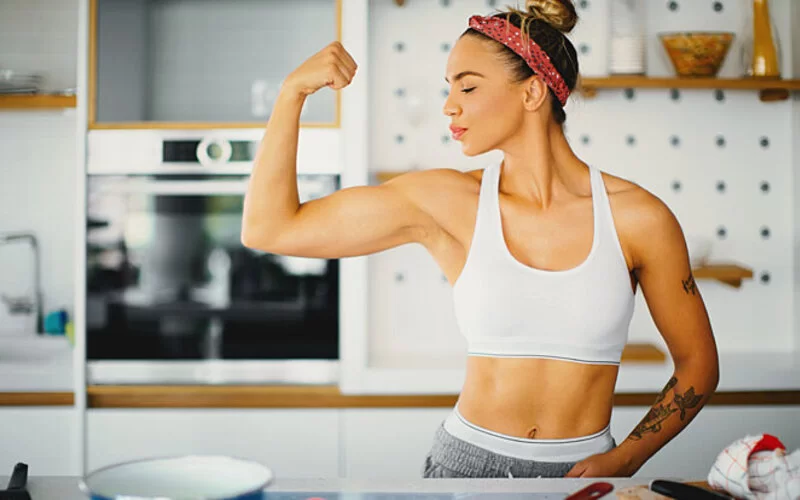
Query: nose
450, 107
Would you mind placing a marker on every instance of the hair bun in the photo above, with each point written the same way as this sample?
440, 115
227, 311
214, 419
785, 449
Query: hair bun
560, 14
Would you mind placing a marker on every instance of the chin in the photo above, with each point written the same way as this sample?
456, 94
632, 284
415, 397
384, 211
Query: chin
471, 150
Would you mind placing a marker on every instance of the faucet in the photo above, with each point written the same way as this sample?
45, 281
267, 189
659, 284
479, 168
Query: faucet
16, 304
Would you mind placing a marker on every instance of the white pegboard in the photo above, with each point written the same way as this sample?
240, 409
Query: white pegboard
707, 142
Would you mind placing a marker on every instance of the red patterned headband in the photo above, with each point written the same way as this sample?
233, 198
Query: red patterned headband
509, 35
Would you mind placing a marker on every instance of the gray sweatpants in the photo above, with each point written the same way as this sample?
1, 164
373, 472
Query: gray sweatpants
451, 457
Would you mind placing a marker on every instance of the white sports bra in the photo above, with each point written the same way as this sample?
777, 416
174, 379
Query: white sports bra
505, 308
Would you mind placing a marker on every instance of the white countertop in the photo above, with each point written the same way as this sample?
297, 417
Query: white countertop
66, 487
35, 363
739, 371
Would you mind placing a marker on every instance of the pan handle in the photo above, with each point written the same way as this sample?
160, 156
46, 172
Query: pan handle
19, 478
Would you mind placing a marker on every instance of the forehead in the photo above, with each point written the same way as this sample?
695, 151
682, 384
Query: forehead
470, 53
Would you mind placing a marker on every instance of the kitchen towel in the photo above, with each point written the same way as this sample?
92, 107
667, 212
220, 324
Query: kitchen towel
757, 467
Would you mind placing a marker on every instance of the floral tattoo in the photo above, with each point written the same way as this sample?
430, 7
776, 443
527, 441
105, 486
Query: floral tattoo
660, 412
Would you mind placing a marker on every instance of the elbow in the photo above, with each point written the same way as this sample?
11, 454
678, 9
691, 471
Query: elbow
703, 369
254, 239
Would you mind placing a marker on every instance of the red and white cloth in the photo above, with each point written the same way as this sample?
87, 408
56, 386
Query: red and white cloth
757, 467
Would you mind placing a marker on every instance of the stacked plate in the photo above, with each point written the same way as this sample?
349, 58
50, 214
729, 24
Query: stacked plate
12, 82
627, 41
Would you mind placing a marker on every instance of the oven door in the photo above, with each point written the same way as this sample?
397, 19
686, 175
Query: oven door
174, 297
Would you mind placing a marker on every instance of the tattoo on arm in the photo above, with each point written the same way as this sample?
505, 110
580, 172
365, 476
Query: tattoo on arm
666, 389
660, 412
689, 286
687, 401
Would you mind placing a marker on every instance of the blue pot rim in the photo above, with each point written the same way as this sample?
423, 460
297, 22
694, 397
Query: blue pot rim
85, 489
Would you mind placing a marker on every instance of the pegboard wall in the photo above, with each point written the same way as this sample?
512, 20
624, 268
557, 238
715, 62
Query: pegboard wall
721, 160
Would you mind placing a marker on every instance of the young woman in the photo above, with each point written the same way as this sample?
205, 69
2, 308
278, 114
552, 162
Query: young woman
543, 251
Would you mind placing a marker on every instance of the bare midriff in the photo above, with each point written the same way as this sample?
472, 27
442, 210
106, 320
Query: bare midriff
537, 398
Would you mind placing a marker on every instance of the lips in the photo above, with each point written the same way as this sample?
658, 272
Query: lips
457, 131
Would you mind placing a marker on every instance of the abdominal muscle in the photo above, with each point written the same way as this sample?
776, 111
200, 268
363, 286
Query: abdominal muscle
537, 398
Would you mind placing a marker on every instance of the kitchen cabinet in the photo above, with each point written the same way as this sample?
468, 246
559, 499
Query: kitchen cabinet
388, 443
293, 443
383, 443
42, 437
199, 64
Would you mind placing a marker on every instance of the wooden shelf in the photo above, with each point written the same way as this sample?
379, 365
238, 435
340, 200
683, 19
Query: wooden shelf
329, 396
731, 274
37, 399
642, 353
36, 101
769, 90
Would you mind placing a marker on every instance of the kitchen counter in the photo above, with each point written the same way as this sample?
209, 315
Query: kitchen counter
66, 487
739, 371
38, 370
35, 369
746, 379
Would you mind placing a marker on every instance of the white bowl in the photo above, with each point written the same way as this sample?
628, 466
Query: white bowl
207, 477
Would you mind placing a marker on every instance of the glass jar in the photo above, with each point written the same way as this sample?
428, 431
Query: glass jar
627, 40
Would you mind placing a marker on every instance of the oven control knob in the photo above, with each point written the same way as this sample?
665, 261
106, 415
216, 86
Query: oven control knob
214, 151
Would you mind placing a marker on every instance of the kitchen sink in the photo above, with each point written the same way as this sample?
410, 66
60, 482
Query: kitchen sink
30, 348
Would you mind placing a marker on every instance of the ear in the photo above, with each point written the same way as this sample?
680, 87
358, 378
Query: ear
535, 93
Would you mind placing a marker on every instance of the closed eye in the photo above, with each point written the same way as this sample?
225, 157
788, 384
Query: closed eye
467, 91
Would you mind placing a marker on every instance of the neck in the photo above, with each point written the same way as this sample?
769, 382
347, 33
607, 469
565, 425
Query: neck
539, 165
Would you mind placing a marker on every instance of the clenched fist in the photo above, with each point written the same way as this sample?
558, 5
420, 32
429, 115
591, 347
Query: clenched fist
330, 67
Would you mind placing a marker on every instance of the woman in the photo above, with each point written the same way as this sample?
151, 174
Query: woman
544, 253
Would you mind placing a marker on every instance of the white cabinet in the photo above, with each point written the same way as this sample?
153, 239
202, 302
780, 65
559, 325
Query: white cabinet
388, 443
692, 453
42, 437
293, 443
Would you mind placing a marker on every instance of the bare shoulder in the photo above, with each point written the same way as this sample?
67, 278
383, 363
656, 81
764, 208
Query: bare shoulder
435, 188
449, 197
420, 179
641, 217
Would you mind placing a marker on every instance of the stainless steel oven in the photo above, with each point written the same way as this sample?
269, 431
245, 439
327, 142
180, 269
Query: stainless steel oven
172, 294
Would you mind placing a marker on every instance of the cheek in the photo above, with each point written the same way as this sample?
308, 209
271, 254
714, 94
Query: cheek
497, 116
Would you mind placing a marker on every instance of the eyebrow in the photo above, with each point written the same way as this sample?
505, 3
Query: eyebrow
462, 75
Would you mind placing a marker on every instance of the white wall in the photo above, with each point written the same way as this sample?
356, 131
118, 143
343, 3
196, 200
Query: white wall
795, 19
37, 150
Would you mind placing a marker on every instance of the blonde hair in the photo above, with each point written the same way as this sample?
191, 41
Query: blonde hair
560, 14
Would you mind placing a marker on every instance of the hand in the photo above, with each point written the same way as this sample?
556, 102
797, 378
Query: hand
609, 464
330, 67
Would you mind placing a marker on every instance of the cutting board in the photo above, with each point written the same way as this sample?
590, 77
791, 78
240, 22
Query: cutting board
641, 492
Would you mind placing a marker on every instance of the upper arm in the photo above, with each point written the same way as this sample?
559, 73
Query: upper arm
353, 221
662, 265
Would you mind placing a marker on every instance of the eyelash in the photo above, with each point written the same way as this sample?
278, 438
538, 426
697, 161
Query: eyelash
467, 91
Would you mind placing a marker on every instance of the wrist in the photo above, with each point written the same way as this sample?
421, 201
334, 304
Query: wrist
629, 460
291, 92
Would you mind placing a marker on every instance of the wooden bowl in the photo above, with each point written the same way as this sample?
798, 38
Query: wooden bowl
697, 53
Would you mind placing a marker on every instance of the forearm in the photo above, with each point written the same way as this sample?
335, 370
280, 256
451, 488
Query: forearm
272, 197
682, 398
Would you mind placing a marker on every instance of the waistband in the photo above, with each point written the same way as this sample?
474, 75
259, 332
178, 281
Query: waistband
545, 450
